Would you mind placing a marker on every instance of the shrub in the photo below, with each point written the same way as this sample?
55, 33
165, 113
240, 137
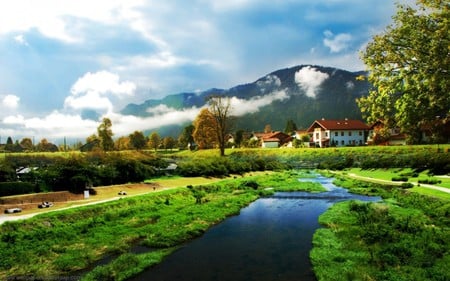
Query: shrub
15, 188
400, 178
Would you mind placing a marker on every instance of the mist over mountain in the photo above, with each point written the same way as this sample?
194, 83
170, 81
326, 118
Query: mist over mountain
302, 93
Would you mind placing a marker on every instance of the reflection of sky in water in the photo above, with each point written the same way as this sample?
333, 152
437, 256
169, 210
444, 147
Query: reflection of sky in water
269, 240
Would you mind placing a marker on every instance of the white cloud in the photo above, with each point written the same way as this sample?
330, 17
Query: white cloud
126, 124
20, 39
95, 90
269, 81
241, 106
50, 16
55, 124
159, 109
10, 101
90, 100
103, 82
336, 43
310, 79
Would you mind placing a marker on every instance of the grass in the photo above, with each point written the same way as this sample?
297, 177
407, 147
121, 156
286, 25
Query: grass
382, 241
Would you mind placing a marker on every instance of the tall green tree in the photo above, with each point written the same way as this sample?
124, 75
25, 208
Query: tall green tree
137, 140
105, 134
220, 108
409, 68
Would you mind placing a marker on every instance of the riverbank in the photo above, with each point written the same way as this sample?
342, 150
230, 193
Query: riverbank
63, 243
405, 237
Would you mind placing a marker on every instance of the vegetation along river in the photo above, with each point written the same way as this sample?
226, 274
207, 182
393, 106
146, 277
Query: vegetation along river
269, 240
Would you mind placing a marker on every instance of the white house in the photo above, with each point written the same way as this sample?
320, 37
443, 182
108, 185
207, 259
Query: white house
338, 132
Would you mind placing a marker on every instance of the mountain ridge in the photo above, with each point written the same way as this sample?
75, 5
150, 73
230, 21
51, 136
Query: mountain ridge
301, 93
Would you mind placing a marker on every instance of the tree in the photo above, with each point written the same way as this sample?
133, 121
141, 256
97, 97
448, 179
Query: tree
220, 108
45, 146
204, 133
105, 135
122, 143
186, 139
409, 69
239, 138
154, 141
168, 143
290, 127
137, 140
27, 144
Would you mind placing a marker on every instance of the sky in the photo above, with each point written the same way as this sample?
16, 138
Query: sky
64, 65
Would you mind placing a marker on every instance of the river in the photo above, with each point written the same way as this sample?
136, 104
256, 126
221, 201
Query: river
269, 240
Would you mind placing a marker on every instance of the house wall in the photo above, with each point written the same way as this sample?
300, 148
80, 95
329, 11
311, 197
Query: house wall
270, 144
338, 137
347, 137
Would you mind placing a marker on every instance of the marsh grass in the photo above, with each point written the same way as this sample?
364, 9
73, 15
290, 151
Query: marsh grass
403, 238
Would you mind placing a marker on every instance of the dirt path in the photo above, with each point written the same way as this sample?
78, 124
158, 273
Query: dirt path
73, 204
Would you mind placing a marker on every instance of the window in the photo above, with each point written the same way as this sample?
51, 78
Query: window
317, 136
336, 134
360, 133
342, 142
349, 133
326, 134
342, 134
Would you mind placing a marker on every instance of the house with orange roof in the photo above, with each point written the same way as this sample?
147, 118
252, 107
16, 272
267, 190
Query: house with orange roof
345, 132
272, 139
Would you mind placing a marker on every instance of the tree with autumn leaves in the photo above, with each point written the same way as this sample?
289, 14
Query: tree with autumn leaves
213, 124
409, 68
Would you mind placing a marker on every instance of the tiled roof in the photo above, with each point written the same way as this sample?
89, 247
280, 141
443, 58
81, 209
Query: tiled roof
339, 125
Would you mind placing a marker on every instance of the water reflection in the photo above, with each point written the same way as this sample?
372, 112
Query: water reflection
269, 240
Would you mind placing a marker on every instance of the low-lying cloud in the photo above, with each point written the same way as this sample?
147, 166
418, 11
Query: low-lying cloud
309, 79
241, 107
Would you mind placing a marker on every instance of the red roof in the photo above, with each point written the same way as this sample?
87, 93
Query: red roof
341, 125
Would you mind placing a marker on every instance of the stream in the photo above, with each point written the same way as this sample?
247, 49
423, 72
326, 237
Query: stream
269, 240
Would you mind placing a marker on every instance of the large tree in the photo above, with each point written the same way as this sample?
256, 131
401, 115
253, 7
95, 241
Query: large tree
105, 134
409, 68
220, 108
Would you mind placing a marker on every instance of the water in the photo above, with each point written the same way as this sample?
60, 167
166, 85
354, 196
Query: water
269, 240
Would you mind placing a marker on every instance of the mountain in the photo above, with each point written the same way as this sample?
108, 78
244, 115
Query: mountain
302, 93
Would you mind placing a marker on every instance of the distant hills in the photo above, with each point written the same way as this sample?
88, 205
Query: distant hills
302, 93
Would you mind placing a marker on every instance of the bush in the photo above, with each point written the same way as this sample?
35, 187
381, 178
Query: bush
400, 178
15, 188
406, 185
